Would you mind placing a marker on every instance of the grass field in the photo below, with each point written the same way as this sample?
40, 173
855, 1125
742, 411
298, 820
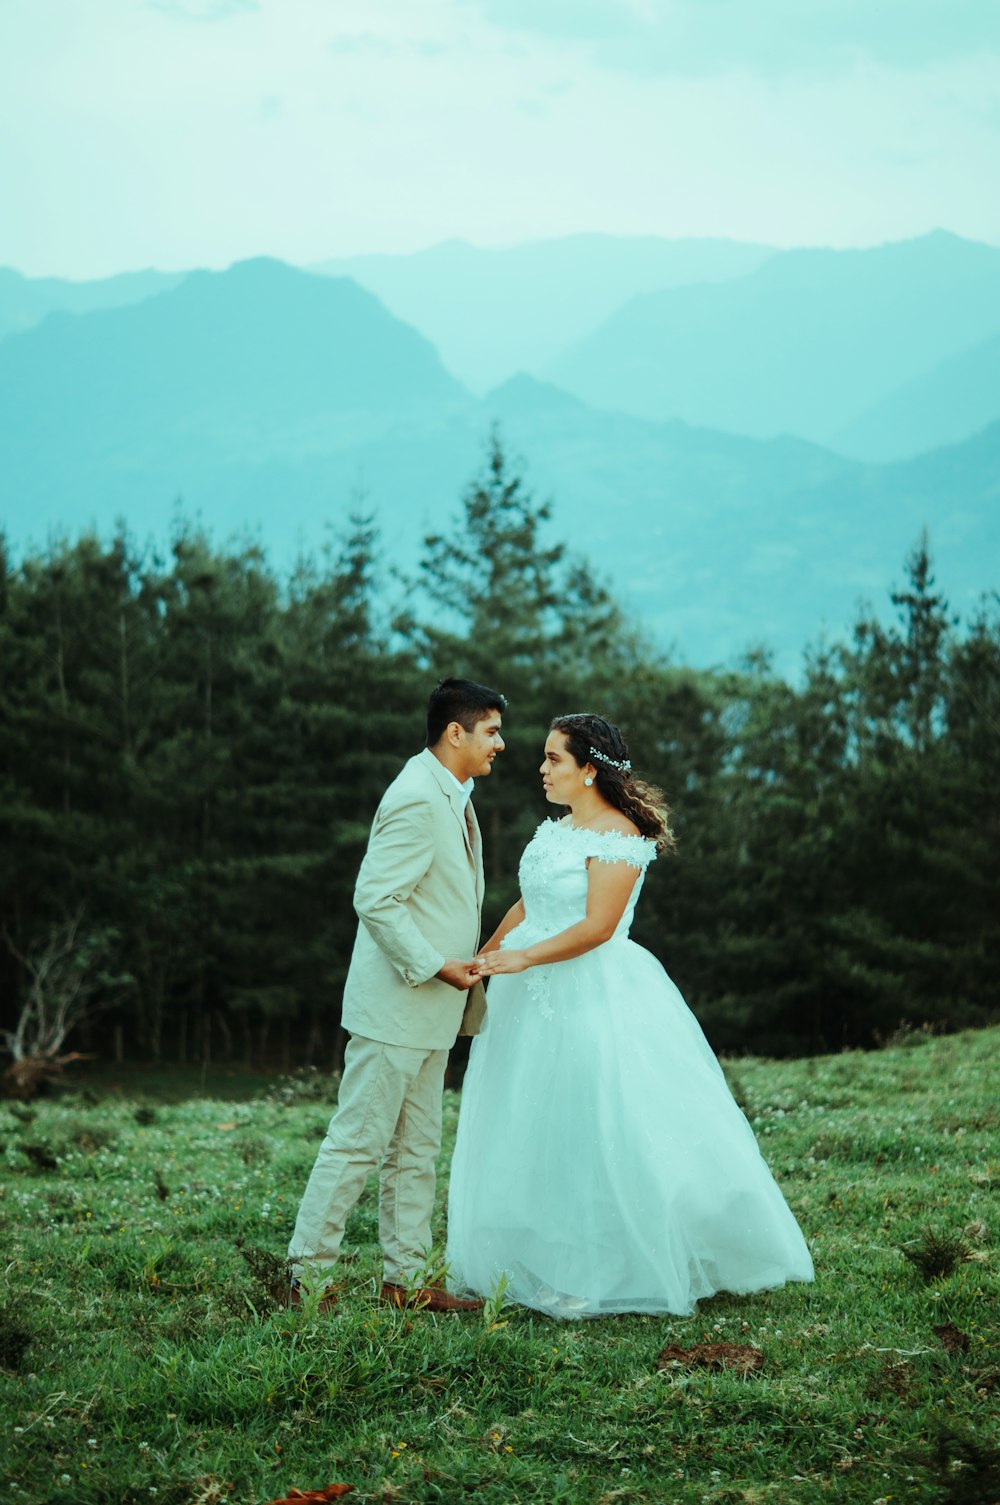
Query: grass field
145, 1357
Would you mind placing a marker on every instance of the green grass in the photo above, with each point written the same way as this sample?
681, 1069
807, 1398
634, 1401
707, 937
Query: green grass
146, 1360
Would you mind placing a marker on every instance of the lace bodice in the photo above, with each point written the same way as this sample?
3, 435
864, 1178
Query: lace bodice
553, 876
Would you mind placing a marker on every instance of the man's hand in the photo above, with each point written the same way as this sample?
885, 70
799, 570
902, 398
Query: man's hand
461, 975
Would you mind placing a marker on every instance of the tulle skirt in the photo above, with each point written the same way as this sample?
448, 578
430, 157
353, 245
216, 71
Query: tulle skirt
601, 1163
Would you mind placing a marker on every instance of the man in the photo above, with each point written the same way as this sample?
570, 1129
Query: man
419, 898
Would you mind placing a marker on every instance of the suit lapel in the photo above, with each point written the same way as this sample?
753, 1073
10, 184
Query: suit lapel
464, 814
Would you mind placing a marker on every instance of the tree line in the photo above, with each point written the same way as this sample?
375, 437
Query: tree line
192, 748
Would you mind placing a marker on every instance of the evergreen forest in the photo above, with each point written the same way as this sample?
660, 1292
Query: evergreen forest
192, 747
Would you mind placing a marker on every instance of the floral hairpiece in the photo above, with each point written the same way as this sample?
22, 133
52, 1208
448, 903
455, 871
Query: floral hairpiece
624, 766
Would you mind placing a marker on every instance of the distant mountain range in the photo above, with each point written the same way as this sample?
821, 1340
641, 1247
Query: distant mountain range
719, 542
807, 344
492, 314
879, 354
227, 374
955, 398
25, 301
273, 401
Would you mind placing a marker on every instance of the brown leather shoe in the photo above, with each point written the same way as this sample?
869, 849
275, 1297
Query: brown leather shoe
426, 1298
327, 1303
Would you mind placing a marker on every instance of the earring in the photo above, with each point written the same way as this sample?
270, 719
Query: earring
588, 781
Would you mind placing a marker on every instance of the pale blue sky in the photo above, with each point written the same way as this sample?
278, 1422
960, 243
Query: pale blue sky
194, 132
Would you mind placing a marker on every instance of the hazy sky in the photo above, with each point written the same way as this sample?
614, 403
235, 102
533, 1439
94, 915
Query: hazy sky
174, 133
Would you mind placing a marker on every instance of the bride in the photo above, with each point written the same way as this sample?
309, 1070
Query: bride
601, 1163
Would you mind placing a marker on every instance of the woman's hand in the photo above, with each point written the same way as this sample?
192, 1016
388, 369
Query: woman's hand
491, 963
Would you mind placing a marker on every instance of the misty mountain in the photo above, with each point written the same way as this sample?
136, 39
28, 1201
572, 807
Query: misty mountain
240, 365
954, 400
25, 301
494, 313
275, 402
718, 542
805, 344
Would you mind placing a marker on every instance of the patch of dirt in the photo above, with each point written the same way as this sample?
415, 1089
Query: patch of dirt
742, 1358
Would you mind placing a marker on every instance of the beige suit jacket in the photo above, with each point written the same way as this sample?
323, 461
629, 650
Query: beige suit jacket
419, 898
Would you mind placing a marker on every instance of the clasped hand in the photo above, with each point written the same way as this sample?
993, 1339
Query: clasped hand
493, 963
460, 975
465, 975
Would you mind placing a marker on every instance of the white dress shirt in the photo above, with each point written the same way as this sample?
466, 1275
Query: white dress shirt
465, 788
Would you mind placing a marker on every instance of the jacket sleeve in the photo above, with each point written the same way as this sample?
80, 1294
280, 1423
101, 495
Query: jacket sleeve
400, 852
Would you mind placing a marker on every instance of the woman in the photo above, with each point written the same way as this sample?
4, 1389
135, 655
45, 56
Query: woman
601, 1163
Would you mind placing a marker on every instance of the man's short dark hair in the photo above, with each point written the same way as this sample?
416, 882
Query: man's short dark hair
460, 700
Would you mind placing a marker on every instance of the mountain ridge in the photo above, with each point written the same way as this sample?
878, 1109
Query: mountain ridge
957, 398
270, 398
25, 301
799, 345
491, 312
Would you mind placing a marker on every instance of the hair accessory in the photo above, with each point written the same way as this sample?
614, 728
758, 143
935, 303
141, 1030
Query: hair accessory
624, 766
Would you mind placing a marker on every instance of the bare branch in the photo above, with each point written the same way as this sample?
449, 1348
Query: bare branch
62, 981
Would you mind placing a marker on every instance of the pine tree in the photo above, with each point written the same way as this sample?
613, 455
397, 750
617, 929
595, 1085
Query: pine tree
509, 608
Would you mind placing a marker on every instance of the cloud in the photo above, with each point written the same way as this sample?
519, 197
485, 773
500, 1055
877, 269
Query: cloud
204, 10
582, 20
768, 37
373, 45
271, 107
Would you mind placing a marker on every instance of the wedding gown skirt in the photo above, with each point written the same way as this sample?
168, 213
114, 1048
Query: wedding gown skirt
602, 1164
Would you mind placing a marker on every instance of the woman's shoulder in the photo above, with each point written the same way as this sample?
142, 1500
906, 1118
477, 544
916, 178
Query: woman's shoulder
618, 824
620, 841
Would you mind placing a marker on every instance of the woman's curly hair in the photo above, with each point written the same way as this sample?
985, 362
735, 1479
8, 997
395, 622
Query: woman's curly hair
643, 803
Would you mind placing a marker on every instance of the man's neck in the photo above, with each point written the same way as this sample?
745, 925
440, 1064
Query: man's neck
452, 765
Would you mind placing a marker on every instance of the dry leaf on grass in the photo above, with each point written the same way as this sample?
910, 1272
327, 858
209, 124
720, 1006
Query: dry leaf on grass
318, 1496
743, 1358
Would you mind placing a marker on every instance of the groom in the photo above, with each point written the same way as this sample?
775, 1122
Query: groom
419, 896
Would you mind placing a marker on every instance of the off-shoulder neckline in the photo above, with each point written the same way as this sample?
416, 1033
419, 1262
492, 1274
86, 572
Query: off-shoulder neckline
559, 825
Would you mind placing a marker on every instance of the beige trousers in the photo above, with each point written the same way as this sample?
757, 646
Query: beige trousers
388, 1112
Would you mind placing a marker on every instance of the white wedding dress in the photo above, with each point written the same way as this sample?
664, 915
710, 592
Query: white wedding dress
601, 1161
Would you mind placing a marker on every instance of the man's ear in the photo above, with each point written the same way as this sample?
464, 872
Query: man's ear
454, 732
